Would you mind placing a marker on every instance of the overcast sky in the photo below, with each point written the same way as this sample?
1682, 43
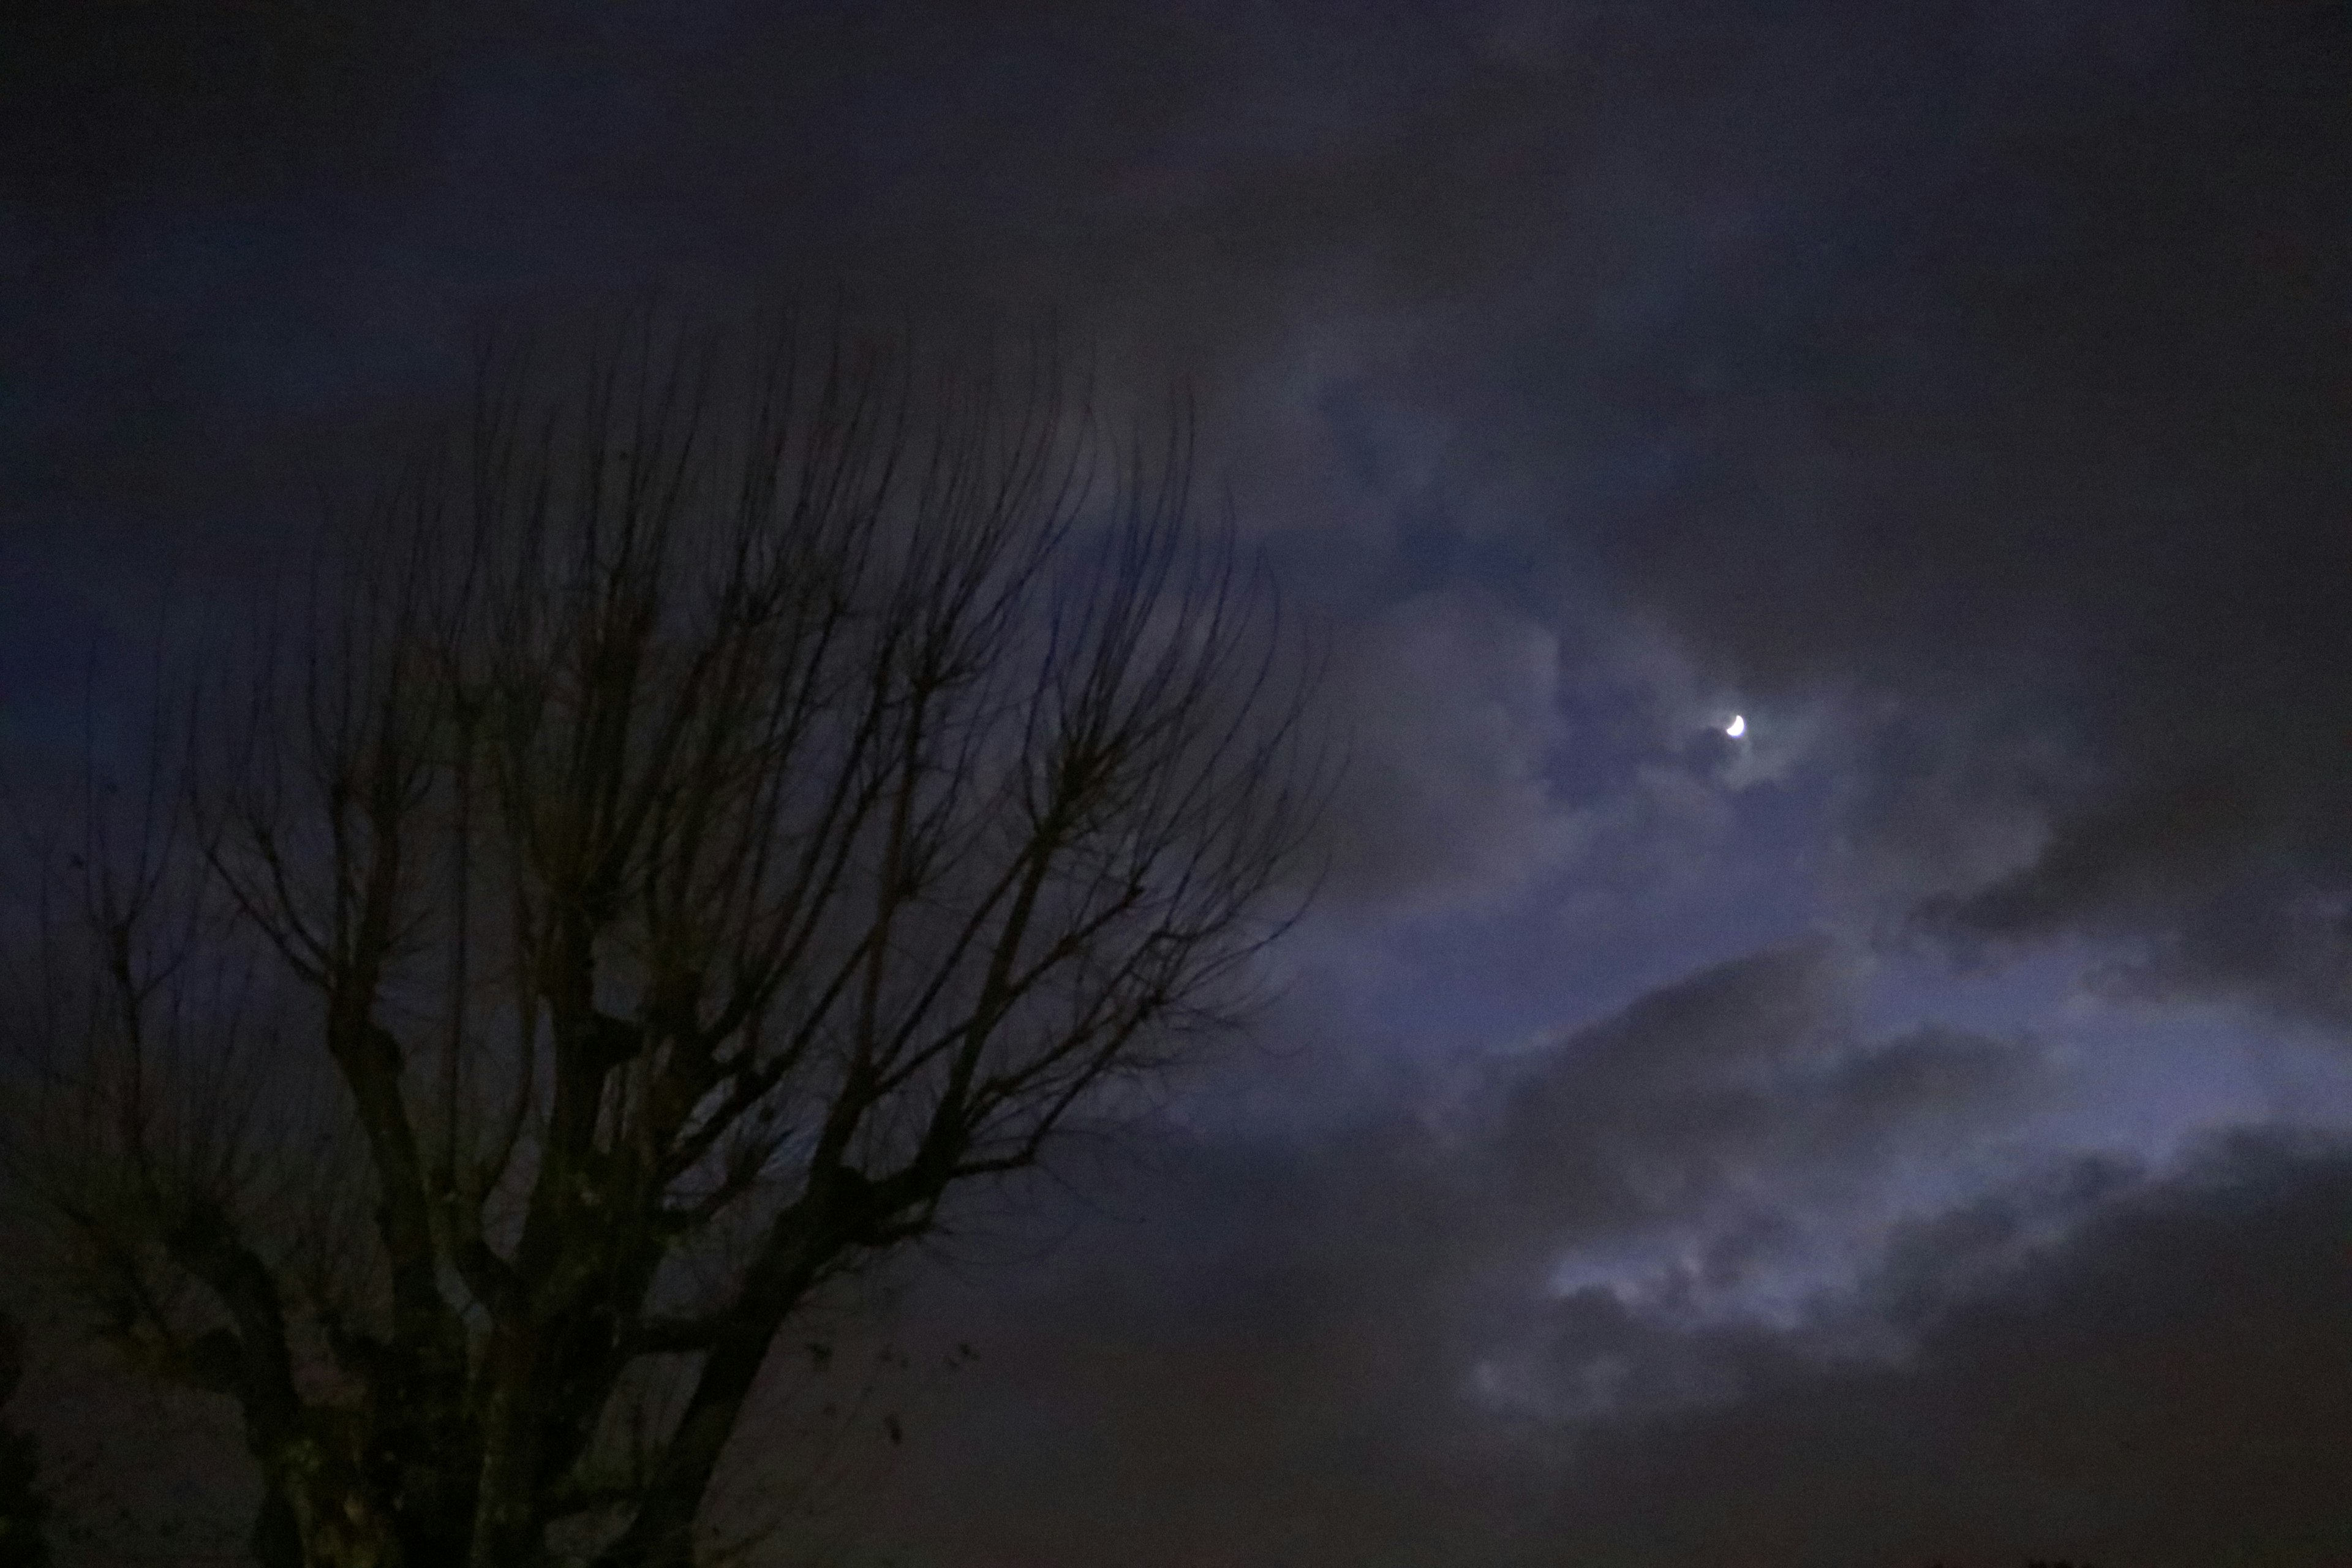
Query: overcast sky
1917, 1126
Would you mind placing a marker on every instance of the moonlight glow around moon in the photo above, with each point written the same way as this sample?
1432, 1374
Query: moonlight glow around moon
1737, 727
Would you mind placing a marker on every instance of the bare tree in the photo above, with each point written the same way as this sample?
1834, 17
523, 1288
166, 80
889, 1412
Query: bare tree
24, 1506
706, 820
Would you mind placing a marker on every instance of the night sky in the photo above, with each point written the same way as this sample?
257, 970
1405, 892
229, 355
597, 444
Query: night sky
1919, 1126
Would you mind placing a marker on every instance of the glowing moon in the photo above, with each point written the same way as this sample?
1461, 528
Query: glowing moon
1737, 727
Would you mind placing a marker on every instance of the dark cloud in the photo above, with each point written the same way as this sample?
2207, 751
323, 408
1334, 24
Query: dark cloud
2046, 453
1387, 1337
1451, 720
2168, 1387
195, 103
1745, 1089
2090, 1362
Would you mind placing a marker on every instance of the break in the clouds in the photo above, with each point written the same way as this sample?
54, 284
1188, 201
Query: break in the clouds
1901, 1129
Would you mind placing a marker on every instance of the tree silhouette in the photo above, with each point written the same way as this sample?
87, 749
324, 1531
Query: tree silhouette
24, 1509
722, 805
